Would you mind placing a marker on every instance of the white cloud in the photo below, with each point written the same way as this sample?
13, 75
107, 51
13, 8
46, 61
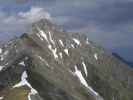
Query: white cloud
20, 22
34, 14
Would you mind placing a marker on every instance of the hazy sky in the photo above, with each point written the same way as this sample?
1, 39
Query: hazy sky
107, 22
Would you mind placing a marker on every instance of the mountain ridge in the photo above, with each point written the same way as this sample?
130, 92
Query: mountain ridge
123, 60
71, 66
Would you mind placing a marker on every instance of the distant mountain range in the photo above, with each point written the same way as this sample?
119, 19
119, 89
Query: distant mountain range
122, 59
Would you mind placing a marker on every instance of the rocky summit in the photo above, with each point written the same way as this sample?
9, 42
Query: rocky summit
50, 64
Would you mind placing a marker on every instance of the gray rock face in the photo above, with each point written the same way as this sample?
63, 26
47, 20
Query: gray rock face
67, 66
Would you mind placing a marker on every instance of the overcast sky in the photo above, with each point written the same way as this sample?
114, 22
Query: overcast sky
106, 22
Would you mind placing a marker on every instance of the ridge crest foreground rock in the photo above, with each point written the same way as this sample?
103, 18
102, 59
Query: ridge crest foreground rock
63, 66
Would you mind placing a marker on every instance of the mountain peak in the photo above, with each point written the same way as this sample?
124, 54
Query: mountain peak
44, 24
66, 66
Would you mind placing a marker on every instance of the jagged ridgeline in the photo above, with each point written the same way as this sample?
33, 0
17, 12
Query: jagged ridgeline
50, 64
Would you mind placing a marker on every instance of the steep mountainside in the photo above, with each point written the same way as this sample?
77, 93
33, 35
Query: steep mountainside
61, 66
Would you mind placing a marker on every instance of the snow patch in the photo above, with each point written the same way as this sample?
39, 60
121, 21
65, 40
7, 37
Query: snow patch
43, 35
80, 76
76, 41
40, 36
72, 46
50, 37
1, 98
83, 81
43, 60
54, 51
85, 68
0, 50
6, 64
1, 67
22, 63
87, 41
66, 51
1, 57
24, 82
6, 52
96, 56
60, 53
61, 42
